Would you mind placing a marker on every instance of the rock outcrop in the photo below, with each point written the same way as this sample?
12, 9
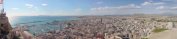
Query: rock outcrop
19, 33
7, 32
5, 26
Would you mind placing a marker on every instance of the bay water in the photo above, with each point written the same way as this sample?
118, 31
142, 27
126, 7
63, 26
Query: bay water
39, 24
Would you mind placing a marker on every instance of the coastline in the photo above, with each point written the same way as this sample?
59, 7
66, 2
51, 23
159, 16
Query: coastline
38, 26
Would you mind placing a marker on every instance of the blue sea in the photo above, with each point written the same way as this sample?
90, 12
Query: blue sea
40, 24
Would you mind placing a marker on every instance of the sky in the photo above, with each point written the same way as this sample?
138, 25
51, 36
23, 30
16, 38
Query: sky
87, 7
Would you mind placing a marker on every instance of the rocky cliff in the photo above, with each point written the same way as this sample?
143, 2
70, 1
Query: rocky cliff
7, 32
5, 26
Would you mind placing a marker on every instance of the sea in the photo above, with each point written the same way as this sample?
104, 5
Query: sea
40, 24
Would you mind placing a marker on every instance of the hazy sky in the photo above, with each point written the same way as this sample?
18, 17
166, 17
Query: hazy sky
87, 7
